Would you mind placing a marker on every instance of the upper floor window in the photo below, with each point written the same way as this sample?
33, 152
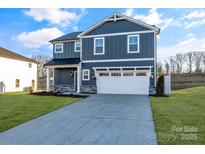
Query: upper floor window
133, 44
59, 48
99, 46
77, 46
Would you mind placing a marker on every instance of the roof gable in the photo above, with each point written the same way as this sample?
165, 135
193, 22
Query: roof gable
12, 55
115, 17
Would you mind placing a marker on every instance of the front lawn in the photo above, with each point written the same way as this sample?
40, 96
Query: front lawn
180, 118
16, 108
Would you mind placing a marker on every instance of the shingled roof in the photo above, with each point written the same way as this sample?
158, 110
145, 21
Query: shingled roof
70, 36
12, 55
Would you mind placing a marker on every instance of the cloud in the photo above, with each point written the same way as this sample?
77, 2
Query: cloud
190, 43
195, 23
129, 12
55, 16
38, 38
195, 14
75, 28
189, 39
153, 18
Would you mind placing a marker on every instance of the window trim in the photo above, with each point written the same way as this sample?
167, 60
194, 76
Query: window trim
55, 47
97, 38
84, 70
17, 85
75, 47
128, 44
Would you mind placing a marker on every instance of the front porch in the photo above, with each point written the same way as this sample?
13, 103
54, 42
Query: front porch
66, 75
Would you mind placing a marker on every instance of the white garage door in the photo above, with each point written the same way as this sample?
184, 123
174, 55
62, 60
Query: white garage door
123, 85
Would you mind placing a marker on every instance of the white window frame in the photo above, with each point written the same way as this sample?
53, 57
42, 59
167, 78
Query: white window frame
99, 38
86, 70
75, 47
56, 45
128, 44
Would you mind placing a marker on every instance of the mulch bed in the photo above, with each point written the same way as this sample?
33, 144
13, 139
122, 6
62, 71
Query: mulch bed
44, 93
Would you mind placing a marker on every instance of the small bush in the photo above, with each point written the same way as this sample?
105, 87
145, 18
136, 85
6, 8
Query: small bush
160, 86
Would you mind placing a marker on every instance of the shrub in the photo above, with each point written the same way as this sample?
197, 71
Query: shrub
160, 86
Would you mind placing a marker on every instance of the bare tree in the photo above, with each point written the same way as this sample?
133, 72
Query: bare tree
189, 58
203, 60
42, 60
159, 67
172, 65
167, 67
179, 59
198, 61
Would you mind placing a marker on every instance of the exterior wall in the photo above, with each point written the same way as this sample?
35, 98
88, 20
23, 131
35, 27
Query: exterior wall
11, 69
63, 80
116, 48
91, 84
116, 27
68, 51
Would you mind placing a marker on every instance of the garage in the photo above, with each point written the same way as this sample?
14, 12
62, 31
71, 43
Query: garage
123, 81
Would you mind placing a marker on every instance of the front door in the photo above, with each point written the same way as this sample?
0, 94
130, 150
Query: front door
75, 81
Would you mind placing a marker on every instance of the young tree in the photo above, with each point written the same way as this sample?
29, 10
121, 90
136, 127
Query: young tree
197, 61
189, 58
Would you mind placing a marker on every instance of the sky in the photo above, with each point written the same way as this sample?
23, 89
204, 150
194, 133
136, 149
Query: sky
28, 31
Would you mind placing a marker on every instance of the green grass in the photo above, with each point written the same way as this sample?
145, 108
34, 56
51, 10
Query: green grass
183, 109
19, 107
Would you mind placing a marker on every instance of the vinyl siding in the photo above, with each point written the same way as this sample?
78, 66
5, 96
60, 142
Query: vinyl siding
68, 51
116, 27
116, 48
62, 76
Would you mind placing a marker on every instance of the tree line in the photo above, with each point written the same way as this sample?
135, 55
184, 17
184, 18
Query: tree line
190, 62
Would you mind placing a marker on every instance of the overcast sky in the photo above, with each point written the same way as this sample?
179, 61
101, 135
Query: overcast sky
27, 31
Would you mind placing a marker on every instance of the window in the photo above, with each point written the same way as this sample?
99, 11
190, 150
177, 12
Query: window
86, 74
116, 74
77, 46
99, 46
133, 44
29, 65
104, 74
128, 73
33, 83
59, 48
17, 83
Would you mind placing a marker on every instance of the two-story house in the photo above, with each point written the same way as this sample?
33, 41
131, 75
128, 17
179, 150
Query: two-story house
117, 55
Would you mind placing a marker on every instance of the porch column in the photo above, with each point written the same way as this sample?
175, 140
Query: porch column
48, 80
78, 78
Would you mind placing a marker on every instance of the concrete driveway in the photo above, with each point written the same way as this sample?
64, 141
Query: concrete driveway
98, 119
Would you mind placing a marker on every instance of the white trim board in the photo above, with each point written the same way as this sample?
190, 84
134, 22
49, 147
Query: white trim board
122, 33
118, 60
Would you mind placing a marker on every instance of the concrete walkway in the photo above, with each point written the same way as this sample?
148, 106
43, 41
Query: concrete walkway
98, 119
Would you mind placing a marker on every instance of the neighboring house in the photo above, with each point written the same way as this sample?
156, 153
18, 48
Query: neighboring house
118, 55
17, 72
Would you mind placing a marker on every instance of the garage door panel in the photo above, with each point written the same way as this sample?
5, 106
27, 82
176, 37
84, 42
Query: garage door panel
123, 85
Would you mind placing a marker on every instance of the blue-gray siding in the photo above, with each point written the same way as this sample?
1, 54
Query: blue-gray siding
92, 80
62, 76
68, 51
116, 48
117, 27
